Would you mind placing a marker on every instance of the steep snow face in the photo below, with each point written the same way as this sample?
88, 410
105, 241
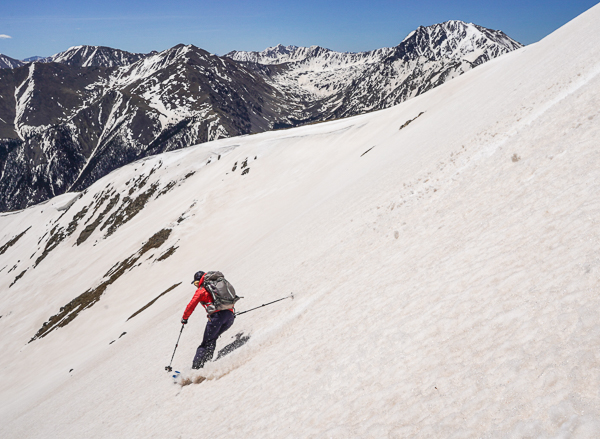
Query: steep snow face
444, 256
94, 56
23, 95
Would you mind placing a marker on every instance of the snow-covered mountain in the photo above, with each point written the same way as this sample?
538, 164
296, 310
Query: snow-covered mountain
67, 122
285, 54
272, 55
80, 56
6, 62
459, 41
352, 83
66, 126
444, 255
33, 58
453, 39
95, 56
312, 72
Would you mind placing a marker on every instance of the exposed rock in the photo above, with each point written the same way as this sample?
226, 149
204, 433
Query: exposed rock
154, 300
72, 309
13, 241
170, 252
17, 278
89, 229
128, 209
57, 235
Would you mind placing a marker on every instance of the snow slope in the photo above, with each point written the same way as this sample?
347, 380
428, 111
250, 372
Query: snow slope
443, 252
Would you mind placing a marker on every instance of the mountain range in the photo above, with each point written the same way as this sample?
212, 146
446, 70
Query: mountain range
82, 56
69, 119
443, 255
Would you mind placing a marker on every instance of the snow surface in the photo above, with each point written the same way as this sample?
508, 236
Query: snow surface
446, 280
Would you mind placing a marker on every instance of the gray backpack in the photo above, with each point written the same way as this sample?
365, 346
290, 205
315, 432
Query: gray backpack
222, 292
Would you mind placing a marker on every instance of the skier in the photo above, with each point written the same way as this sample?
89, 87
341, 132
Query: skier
219, 320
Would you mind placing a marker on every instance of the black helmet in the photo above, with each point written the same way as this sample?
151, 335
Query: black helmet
198, 276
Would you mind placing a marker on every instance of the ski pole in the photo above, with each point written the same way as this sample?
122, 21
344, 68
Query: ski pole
169, 368
278, 300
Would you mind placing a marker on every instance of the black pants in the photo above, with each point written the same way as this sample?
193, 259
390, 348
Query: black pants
217, 324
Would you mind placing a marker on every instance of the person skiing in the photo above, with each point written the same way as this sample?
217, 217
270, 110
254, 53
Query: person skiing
220, 316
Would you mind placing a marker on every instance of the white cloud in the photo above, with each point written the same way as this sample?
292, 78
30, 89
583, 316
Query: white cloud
2, 36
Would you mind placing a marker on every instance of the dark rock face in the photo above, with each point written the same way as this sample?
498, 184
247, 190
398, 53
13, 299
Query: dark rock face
72, 118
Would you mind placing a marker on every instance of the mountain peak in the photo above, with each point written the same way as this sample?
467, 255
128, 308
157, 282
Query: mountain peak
6, 62
89, 56
458, 40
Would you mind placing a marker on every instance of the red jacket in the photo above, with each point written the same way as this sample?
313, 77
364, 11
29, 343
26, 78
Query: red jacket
201, 296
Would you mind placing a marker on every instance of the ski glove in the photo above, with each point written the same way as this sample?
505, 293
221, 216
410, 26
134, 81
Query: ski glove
184, 321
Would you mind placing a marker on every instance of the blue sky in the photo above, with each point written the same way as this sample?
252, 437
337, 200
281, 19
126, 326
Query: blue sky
43, 28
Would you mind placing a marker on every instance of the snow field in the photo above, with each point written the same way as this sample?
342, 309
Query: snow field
446, 281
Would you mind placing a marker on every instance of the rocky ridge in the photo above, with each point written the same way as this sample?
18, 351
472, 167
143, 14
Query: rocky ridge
6, 62
95, 56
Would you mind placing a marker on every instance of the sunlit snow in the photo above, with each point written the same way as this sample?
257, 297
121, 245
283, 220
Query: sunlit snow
444, 255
